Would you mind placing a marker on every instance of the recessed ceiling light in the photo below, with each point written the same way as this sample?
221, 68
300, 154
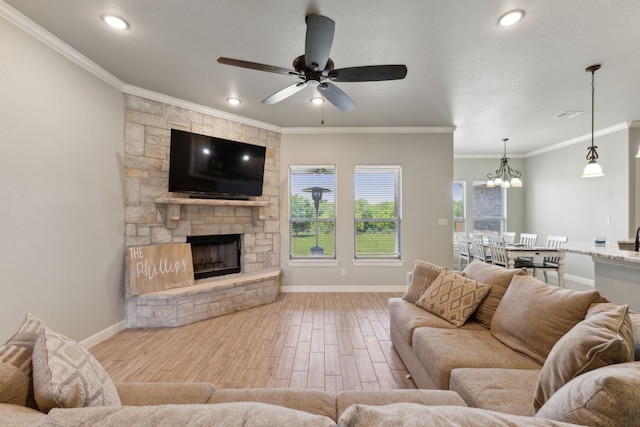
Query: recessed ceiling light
317, 100
115, 22
511, 18
233, 101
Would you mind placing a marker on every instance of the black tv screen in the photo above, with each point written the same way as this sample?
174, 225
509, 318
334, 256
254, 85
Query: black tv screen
214, 167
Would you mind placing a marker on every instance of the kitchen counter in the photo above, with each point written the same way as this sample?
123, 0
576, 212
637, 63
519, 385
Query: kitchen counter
616, 272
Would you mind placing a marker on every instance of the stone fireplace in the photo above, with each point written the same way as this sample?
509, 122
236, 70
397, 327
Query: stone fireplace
215, 255
154, 216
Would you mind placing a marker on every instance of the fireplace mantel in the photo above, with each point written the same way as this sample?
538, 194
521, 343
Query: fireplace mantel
173, 206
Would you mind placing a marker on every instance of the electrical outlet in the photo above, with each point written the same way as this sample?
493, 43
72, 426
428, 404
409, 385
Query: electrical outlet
343, 271
607, 221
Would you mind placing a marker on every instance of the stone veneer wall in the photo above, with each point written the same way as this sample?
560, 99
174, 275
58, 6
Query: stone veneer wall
146, 175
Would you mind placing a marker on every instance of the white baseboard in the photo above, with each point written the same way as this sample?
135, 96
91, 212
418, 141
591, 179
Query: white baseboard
341, 288
104, 334
580, 279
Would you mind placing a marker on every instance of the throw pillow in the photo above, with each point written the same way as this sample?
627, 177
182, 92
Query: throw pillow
499, 278
603, 339
423, 275
15, 364
65, 375
453, 297
533, 315
607, 396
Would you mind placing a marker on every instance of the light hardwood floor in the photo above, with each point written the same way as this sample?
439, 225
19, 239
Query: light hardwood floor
319, 341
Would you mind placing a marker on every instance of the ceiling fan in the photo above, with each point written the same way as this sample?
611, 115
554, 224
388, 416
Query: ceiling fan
315, 67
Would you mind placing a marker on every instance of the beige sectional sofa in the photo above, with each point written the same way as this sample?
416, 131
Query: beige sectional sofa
526, 348
470, 374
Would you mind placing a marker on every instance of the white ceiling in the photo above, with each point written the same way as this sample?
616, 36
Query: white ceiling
464, 70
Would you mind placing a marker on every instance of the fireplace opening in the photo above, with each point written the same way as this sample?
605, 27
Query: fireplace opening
215, 255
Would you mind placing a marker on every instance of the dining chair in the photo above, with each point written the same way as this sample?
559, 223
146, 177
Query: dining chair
463, 249
477, 247
528, 239
509, 236
498, 253
550, 263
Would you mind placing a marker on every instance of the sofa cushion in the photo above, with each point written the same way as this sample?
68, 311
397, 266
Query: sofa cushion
533, 315
18, 416
424, 273
599, 340
408, 316
346, 398
453, 297
312, 401
442, 350
412, 414
607, 396
65, 375
16, 382
499, 278
245, 414
502, 390
163, 393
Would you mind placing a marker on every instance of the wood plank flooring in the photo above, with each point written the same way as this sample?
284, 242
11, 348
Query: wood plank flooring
319, 341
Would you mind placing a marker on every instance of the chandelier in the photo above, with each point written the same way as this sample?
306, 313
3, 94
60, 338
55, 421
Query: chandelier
504, 176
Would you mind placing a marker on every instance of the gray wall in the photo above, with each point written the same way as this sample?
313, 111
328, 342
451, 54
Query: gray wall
62, 210
560, 202
427, 170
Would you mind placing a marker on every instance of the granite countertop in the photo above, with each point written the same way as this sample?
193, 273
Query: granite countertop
608, 252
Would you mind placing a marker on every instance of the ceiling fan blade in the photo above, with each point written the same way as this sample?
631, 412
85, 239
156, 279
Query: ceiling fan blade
318, 41
369, 73
285, 93
256, 66
336, 96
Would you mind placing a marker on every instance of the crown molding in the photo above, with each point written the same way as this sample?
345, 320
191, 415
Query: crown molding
39, 33
390, 129
176, 102
587, 137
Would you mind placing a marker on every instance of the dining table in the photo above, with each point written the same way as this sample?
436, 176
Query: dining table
515, 250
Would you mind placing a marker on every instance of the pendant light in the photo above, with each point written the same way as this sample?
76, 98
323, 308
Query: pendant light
592, 169
504, 177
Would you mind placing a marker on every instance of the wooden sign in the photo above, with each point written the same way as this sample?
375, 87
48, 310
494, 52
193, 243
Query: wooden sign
159, 267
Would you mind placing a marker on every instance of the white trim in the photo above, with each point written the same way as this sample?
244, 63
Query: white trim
335, 130
104, 334
39, 33
338, 288
597, 134
579, 279
378, 262
166, 99
313, 263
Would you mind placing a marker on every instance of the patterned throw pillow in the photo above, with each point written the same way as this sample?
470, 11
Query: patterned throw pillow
65, 375
422, 276
15, 364
453, 296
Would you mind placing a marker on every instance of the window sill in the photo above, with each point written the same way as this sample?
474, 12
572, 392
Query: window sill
313, 263
378, 262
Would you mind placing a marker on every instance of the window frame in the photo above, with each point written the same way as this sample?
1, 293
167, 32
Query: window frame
301, 170
396, 219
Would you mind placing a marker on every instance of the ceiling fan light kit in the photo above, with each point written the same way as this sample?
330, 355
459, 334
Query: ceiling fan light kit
316, 69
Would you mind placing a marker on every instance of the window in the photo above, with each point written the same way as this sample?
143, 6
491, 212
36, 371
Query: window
377, 211
312, 212
489, 208
459, 213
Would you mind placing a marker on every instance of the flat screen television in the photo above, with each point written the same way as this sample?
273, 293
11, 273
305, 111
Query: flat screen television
214, 167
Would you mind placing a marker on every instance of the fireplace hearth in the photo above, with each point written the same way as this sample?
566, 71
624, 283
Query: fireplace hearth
215, 255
